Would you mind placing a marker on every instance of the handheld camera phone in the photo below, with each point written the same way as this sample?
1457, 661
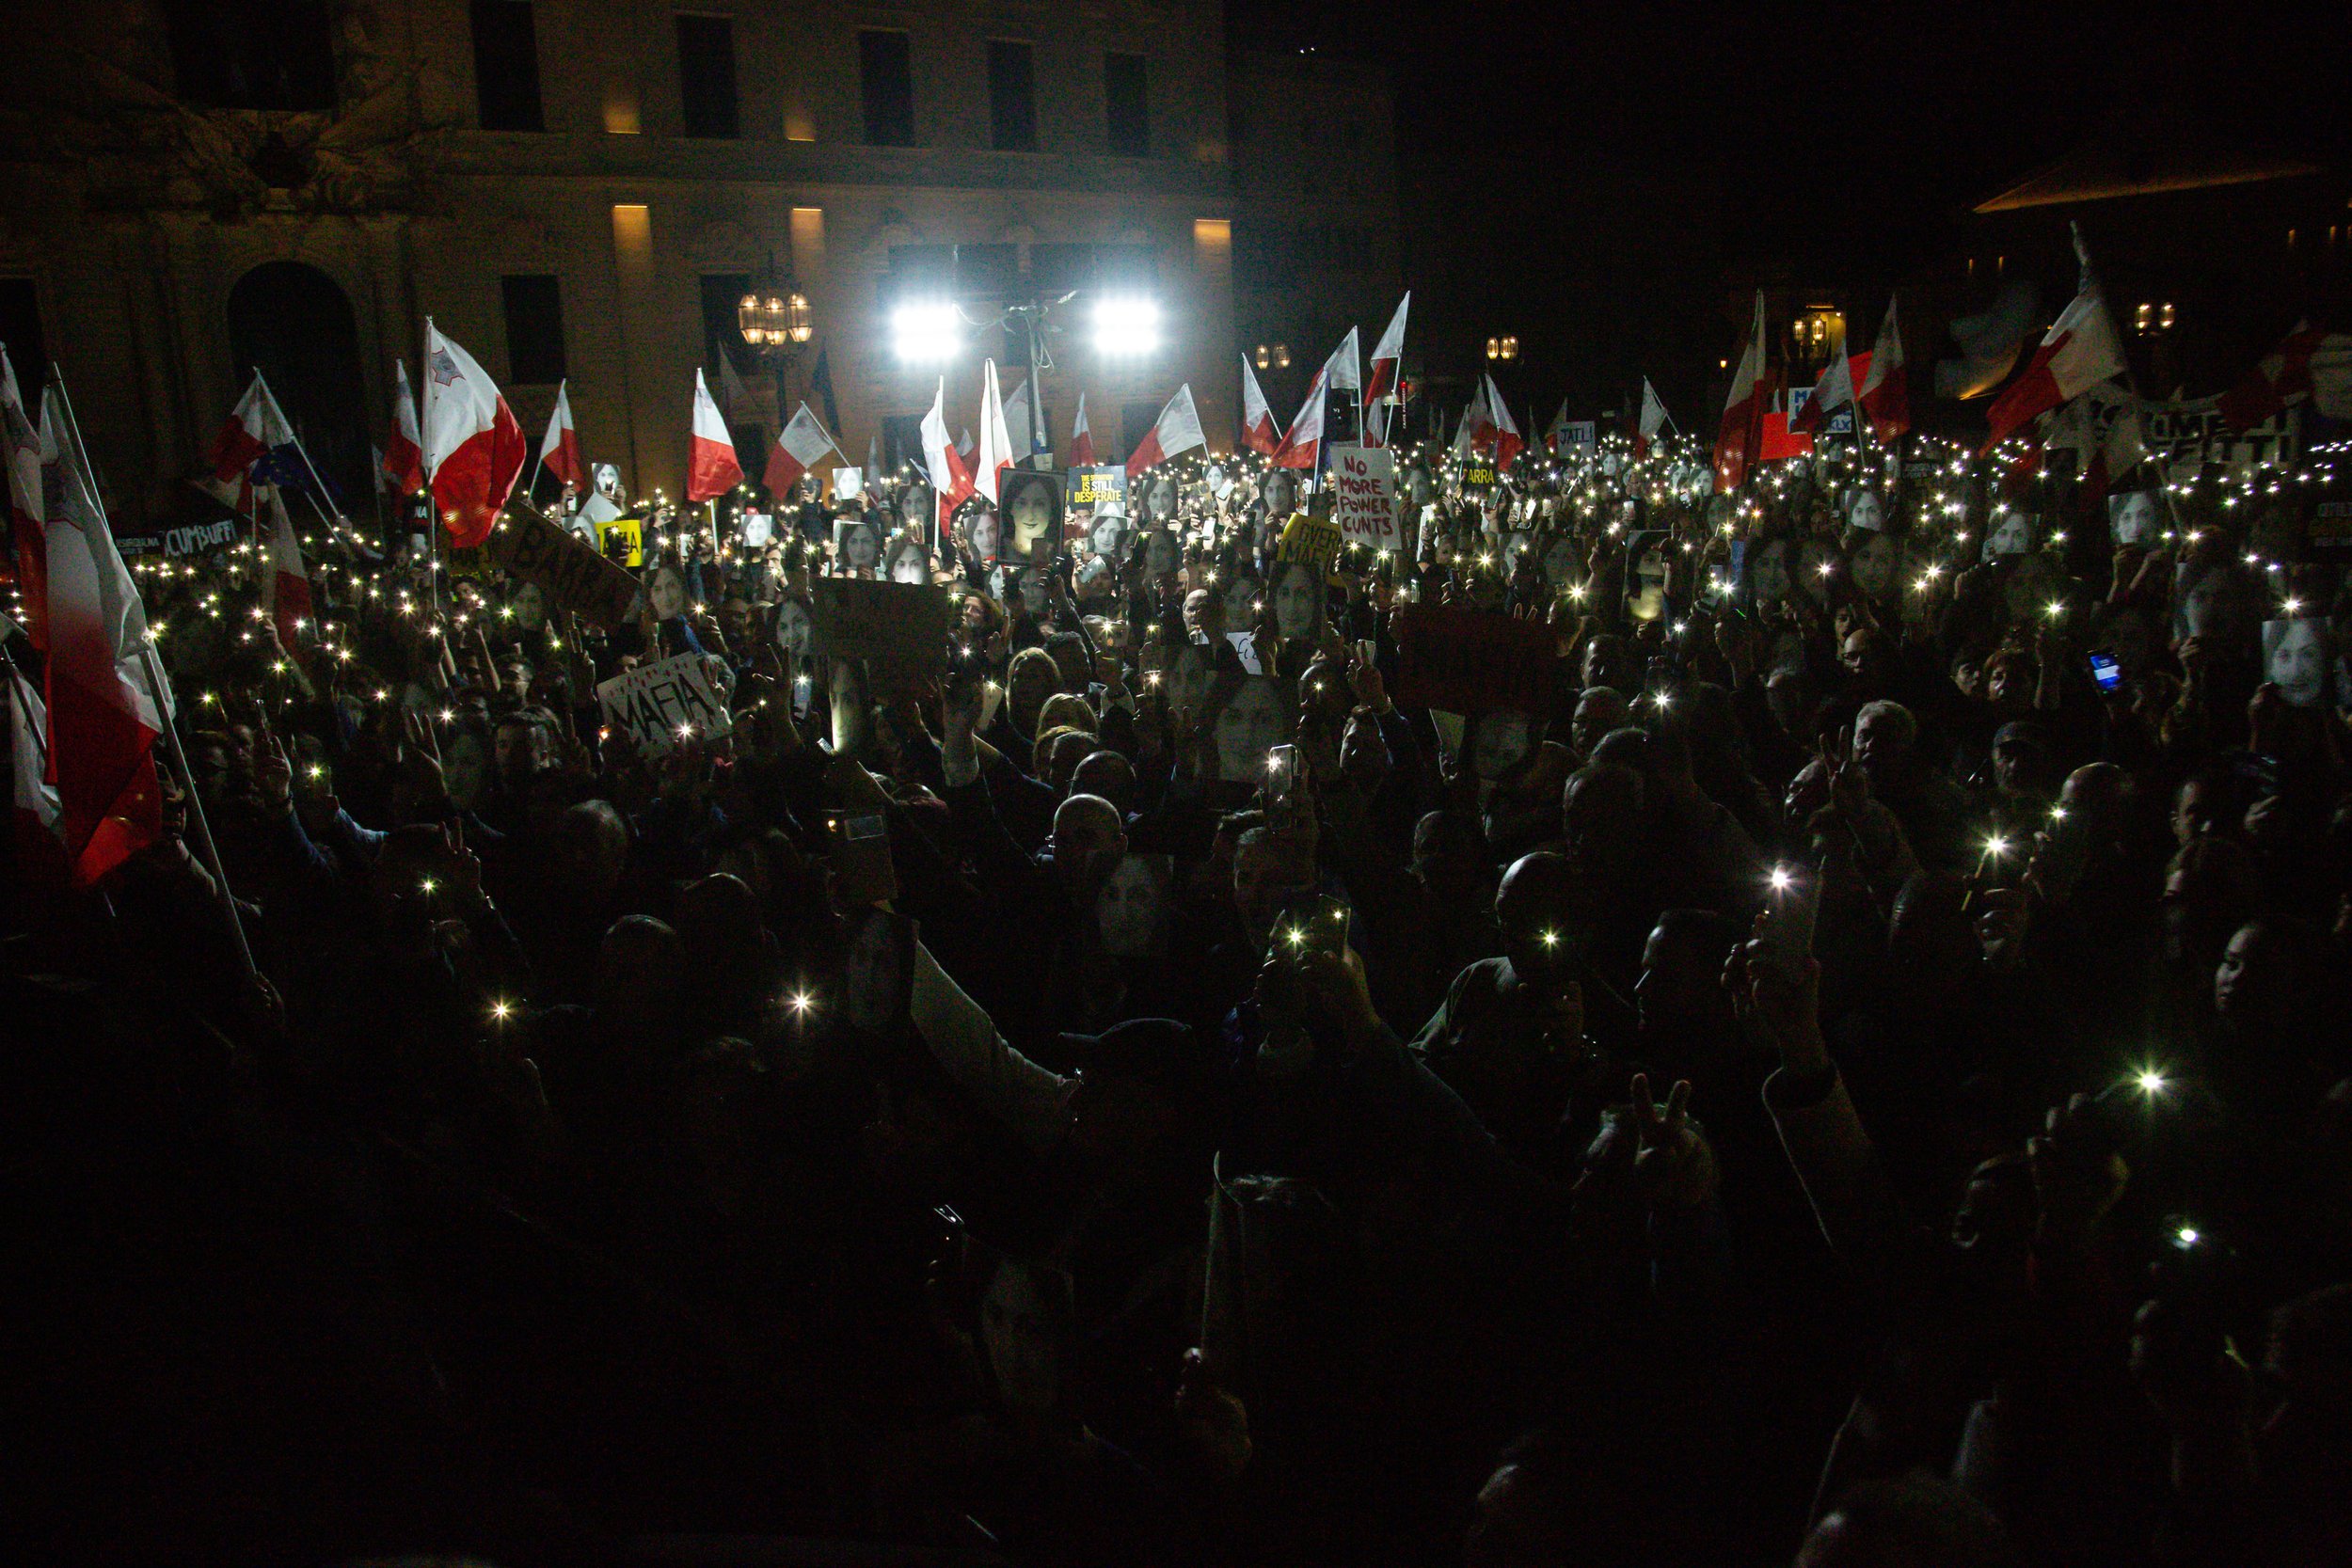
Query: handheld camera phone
2106, 671
1791, 909
1312, 923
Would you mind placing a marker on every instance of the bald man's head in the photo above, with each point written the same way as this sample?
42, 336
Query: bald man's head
1087, 840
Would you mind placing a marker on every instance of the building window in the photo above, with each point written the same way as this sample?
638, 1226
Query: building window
535, 329
706, 75
506, 66
886, 78
253, 53
20, 334
1127, 115
1011, 98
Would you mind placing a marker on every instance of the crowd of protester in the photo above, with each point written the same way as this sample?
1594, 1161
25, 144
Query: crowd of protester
1839, 1085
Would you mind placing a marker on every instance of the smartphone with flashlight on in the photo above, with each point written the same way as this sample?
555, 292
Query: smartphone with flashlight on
1312, 923
861, 858
1791, 908
1282, 782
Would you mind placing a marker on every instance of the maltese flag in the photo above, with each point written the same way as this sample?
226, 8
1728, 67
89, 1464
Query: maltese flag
256, 428
1834, 391
802, 444
951, 480
404, 449
1739, 439
1387, 353
289, 582
1509, 443
1081, 438
473, 449
995, 440
561, 451
1883, 392
1177, 430
2078, 351
1257, 420
27, 505
1304, 439
1653, 419
711, 467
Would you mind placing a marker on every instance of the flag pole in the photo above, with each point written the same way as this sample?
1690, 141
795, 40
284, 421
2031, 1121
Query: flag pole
160, 690
300, 450
432, 509
2089, 279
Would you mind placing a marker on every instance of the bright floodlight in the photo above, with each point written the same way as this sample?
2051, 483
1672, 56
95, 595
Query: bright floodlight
1126, 326
923, 331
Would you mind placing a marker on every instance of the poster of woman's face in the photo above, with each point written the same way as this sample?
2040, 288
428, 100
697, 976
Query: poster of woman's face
909, 561
1561, 563
917, 509
2131, 518
792, 627
1875, 564
1032, 508
1500, 743
1251, 721
1107, 536
983, 536
857, 548
1131, 911
666, 593
1298, 600
2297, 659
530, 605
1159, 498
1867, 509
2220, 609
1240, 594
1160, 555
2012, 533
1281, 494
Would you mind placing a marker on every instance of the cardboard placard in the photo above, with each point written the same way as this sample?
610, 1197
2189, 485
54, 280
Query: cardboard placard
573, 577
1315, 540
199, 538
900, 625
1478, 472
1473, 660
661, 706
1364, 496
1090, 490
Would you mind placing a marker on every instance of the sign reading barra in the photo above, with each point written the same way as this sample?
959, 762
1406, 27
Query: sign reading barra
573, 577
902, 625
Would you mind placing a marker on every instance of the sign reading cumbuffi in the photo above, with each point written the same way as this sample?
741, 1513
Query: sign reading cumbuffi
200, 538
572, 575
1363, 495
665, 705
900, 625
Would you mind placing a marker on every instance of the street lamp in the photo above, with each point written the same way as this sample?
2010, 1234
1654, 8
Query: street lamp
1277, 358
775, 321
1502, 348
1126, 326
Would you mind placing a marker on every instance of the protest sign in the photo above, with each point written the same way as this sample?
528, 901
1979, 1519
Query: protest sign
847, 482
1088, 491
200, 538
1472, 661
1363, 495
1478, 472
1582, 434
759, 530
663, 707
619, 539
899, 625
1314, 540
575, 578
2330, 529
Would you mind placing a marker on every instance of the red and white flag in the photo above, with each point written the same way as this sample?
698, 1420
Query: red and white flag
1345, 370
800, 446
2285, 376
1257, 420
968, 449
288, 580
1303, 442
1509, 443
1476, 433
1387, 355
1177, 430
560, 451
1653, 419
39, 831
711, 467
473, 449
1738, 438
996, 449
1834, 391
105, 713
2079, 350
403, 451
1081, 438
1885, 390
257, 427
951, 477
1020, 422
27, 511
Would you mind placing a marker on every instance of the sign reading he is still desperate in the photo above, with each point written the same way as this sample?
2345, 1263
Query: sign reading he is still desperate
663, 707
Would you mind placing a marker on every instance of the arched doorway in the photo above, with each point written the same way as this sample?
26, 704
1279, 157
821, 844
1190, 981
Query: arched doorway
292, 322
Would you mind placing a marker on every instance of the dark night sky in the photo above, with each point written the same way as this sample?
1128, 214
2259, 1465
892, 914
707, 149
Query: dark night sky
1640, 155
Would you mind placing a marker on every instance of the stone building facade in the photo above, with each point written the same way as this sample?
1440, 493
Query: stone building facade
577, 188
